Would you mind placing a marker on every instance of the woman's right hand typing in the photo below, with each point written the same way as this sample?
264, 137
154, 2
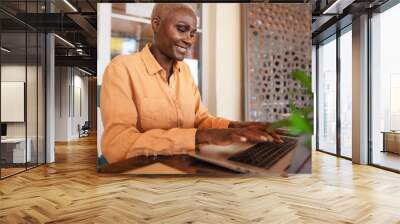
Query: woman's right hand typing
228, 136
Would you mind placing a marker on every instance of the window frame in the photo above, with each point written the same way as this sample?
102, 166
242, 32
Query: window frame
333, 37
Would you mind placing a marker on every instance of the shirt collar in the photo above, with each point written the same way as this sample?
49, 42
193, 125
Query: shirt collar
151, 64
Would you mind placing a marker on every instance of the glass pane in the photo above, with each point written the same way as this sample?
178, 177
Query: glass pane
23, 89
31, 98
346, 94
41, 98
13, 87
31, 86
327, 96
385, 86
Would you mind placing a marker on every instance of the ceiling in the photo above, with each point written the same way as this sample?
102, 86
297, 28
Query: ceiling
74, 21
330, 15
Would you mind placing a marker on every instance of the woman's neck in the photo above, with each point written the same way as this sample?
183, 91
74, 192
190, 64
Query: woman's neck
165, 62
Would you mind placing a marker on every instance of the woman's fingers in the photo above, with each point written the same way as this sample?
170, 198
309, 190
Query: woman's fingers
277, 137
235, 135
240, 135
238, 138
274, 133
256, 135
266, 128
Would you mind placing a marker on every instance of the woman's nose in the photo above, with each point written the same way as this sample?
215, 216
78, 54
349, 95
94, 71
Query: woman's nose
189, 39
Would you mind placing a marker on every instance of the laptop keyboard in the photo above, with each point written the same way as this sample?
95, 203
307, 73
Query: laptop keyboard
265, 154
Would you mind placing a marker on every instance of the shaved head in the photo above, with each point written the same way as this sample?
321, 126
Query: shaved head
162, 10
174, 27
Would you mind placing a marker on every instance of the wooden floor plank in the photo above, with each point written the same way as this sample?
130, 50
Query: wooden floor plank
70, 191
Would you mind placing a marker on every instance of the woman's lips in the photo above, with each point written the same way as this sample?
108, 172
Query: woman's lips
181, 50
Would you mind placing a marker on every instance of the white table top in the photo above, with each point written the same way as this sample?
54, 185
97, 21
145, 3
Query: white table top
13, 140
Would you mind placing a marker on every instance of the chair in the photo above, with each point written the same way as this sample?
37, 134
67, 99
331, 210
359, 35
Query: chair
84, 130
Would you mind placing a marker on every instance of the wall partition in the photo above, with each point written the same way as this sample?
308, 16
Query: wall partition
385, 88
22, 88
326, 104
334, 94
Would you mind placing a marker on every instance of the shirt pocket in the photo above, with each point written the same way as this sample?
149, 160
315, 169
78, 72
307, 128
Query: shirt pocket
155, 114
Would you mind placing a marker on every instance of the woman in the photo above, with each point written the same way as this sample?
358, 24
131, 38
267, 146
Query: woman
150, 104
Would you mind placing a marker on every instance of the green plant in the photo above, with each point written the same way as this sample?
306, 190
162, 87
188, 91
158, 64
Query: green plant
301, 119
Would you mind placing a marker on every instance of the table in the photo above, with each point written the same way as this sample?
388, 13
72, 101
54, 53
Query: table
391, 141
13, 150
185, 164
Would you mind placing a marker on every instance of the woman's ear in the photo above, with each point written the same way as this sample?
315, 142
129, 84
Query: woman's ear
155, 24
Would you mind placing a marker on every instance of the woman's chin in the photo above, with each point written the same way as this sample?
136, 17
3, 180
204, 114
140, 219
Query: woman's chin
179, 57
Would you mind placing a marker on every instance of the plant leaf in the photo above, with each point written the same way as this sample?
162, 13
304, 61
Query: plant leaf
299, 124
304, 79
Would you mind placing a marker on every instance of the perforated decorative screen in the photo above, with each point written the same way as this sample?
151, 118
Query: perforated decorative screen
277, 40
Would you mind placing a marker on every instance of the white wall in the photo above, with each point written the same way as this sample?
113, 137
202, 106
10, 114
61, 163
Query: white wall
17, 73
224, 60
208, 57
14, 73
61, 104
33, 127
70, 83
80, 83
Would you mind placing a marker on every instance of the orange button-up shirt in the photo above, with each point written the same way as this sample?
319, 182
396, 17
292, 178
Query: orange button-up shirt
144, 114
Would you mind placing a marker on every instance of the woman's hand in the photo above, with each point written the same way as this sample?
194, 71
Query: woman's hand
229, 136
261, 126
250, 124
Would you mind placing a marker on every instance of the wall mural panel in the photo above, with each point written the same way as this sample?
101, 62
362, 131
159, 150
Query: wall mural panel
277, 40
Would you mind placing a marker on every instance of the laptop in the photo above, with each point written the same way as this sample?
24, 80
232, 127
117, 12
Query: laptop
262, 158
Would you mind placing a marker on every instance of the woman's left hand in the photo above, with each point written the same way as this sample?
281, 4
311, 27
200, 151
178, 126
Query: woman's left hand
262, 126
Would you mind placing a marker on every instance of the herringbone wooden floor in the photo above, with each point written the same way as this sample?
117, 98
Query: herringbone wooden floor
70, 191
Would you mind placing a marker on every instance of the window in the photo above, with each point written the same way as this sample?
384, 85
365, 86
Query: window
327, 96
385, 88
346, 93
334, 63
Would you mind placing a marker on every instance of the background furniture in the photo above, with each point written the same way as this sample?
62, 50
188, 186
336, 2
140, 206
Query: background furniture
84, 130
13, 151
391, 141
